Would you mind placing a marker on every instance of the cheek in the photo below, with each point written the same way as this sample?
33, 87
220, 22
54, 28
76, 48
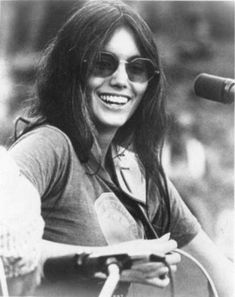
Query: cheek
139, 95
140, 91
93, 83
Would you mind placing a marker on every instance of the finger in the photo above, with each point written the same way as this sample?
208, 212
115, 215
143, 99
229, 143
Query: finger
173, 258
166, 274
168, 246
151, 271
133, 276
139, 277
152, 267
163, 247
143, 276
173, 268
165, 237
161, 273
161, 283
148, 266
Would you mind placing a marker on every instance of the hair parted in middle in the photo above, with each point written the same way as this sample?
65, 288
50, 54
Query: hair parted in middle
62, 78
62, 82
61, 86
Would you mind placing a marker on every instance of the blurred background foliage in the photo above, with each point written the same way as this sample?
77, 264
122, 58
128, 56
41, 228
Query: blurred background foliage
193, 37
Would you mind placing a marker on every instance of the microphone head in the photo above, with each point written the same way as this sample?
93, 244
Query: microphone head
214, 88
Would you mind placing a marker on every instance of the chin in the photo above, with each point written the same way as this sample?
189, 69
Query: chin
111, 124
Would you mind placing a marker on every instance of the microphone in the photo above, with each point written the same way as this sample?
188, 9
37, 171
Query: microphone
87, 265
82, 265
215, 88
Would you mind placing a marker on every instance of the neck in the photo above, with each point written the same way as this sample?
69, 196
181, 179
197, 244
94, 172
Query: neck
104, 140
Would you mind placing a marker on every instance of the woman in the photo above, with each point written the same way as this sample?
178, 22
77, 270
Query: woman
92, 149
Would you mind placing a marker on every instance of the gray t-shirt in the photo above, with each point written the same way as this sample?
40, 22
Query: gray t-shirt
78, 206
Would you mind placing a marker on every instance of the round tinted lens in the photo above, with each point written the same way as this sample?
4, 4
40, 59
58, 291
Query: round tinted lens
140, 70
105, 65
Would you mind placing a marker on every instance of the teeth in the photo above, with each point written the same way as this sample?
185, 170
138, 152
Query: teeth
114, 99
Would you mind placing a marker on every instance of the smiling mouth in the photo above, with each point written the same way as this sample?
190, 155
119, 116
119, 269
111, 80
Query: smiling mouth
112, 99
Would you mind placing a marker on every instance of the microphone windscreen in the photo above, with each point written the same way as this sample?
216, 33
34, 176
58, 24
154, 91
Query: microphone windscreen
61, 268
209, 86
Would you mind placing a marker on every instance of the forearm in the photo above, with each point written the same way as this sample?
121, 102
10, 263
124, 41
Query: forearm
141, 271
51, 249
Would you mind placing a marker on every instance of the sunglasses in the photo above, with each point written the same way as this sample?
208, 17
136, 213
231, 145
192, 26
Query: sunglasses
138, 69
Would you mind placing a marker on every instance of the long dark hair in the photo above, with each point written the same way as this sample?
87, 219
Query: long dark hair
61, 84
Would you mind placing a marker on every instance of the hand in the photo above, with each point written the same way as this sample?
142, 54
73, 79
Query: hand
160, 246
152, 273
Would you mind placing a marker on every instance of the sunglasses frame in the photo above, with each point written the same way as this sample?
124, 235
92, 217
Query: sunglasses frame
127, 62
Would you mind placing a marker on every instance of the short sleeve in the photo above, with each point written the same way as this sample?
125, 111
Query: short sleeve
21, 223
183, 224
42, 156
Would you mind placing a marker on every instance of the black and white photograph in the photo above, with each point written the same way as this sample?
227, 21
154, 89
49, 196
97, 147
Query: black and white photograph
117, 148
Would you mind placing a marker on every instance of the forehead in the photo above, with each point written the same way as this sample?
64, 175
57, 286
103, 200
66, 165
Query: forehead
122, 43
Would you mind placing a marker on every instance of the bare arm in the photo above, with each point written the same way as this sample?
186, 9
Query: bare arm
143, 272
218, 266
18, 194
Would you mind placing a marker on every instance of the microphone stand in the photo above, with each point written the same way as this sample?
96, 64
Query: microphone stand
113, 278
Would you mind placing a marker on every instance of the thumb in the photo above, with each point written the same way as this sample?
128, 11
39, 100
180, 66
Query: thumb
165, 237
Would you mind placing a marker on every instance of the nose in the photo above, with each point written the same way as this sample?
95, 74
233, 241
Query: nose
120, 77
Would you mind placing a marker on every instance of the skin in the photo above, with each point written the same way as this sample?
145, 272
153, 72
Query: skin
109, 117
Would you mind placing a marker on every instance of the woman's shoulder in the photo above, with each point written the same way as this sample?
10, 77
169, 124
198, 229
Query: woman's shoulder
47, 133
44, 155
44, 139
